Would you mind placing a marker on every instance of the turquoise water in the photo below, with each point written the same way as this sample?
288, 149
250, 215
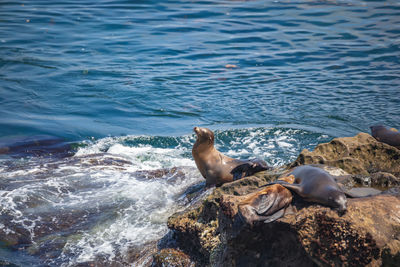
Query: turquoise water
98, 100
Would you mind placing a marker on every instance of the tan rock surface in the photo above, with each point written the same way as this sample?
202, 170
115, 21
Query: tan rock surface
360, 154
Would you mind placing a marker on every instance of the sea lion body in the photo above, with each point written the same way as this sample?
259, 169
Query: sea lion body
386, 135
316, 185
217, 168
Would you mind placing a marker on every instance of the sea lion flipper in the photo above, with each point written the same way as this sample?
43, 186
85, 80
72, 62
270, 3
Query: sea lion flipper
264, 203
293, 187
359, 192
279, 214
237, 173
248, 168
349, 194
252, 213
240, 171
257, 165
248, 214
271, 183
281, 182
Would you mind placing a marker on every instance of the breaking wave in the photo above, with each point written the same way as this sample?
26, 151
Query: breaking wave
112, 198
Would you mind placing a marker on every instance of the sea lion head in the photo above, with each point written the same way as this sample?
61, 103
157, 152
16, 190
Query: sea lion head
337, 199
204, 135
375, 129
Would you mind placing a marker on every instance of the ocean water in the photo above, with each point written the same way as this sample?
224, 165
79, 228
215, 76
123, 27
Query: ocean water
98, 100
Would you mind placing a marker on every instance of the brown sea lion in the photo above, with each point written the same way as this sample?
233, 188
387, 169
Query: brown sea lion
268, 204
217, 168
386, 135
314, 184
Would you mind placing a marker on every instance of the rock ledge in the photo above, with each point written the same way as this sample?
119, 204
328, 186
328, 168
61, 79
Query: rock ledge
368, 234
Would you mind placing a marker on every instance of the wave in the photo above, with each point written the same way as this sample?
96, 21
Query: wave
114, 195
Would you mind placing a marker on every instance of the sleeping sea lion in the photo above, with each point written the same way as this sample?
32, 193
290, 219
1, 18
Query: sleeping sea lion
268, 204
217, 168
316, 185
386, 135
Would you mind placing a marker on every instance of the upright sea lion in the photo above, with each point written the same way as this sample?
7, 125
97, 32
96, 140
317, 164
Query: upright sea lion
316, 185
217, 168
386, 135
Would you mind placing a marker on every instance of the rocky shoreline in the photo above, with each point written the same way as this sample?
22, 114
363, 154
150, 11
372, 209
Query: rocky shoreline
211, 233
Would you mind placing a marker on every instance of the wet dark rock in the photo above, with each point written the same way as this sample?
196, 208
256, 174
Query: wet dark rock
40, 145
141, 255
174, 172
384, 180
171, 258
196, 230
314, 235
5, 263
395, 191
46, 238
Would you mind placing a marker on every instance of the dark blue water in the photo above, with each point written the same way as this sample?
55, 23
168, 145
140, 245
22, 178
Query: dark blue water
98, 100
76, 69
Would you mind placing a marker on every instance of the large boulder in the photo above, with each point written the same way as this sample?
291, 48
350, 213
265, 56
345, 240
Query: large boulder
367, 234
196, 230
361, 154
212, 233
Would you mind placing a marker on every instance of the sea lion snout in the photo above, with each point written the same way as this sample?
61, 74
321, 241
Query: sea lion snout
341, 202
337, 199
204, 134
201, 131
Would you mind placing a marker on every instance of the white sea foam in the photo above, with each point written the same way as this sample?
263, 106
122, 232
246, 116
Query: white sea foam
265, 143
104, 193
150, 203
101, 178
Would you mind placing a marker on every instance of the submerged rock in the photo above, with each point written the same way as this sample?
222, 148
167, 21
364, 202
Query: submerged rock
39, 145
213, 234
